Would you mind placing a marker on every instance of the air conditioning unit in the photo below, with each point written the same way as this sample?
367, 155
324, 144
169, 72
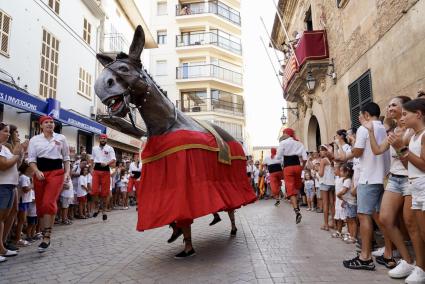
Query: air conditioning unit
92, 112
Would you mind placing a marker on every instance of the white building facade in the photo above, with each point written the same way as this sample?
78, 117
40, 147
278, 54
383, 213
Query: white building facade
199, 59
48, 65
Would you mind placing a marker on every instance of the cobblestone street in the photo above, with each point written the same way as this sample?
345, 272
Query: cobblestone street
269, 248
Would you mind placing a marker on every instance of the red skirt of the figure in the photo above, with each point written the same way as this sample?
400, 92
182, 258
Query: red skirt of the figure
183, 180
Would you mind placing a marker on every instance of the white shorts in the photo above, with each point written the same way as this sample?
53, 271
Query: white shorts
417, 187
123, 189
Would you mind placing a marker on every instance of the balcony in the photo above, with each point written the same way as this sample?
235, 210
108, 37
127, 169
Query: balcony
115, 43
211, 105
209, 71
208, 38
214, 7
311, 54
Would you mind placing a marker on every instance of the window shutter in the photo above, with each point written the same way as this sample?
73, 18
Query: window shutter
360, 93
4, 32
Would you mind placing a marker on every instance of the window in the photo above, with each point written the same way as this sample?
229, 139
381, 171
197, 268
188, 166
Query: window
87, 31
4, 33
49, 65
360, 93
161, 37
234, 129
54, 4
84, 83
161, 8
194, 101
341, 3
161, 68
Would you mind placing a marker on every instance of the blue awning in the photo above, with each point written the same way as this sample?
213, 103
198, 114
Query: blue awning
22, 100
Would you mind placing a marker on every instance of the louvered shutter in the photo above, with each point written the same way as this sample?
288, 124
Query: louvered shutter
360, 93
4, 33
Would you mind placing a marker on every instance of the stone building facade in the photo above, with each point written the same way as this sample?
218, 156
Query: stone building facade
375, 51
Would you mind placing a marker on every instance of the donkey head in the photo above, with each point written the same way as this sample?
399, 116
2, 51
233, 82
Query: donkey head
123, 82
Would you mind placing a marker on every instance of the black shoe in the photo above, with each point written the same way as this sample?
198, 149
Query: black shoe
215, 220
95, 214
389, 263
184, 254
176, 234
104, 217
357, 263
43, 247
298, 218
233, 232
10, 246
277, 203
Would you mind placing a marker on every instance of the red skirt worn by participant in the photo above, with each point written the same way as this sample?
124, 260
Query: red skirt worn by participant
274, 168
182, 179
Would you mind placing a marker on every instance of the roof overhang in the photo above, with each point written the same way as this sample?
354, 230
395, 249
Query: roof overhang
135, 18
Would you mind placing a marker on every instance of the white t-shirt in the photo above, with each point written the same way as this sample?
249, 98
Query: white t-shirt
11, 175
82, 180
270, 161
309, 184
103, 155
24, 181
32, 210
68, 190
348, 197
256, 174
373, 168
291, 147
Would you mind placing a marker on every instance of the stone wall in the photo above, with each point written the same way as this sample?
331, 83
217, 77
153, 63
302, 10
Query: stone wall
383, 36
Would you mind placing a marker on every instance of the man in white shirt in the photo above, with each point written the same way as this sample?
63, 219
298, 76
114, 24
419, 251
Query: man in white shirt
294, 156
103, 157
373, 169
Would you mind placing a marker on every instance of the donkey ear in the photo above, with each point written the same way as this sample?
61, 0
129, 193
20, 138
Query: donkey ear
104, 59
138, 43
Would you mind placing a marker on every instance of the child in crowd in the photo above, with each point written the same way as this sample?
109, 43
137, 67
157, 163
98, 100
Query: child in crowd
32, 219
315, 175
349, 202
122, 185
82, 192
309, 190
24, 197
340, 214
67, 199
90, 203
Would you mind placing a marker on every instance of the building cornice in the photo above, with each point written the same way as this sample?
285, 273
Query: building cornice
286, 9
133, 14
95, 8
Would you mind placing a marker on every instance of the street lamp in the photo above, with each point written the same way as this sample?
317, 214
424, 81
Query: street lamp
311, 82
283, 118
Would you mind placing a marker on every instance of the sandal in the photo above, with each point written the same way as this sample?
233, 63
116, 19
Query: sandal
357, 263
336, 235
67, 222
324, 227
389, 263
44, 245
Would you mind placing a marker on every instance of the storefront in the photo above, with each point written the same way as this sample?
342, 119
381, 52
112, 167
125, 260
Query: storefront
125, 145
23, 110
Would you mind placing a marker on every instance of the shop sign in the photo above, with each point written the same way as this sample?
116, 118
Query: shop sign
123, 138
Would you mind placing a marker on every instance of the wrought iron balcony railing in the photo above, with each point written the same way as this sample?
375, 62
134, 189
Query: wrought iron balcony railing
204, 38
215, 105
114, 43
213, 7
209, 70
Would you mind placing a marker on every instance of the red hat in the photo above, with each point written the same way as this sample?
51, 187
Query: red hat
289, 132
103, 136
44, 118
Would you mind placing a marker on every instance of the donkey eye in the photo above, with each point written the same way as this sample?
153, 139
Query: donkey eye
123, 69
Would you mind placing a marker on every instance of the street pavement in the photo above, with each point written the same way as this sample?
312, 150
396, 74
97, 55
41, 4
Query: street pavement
268, 248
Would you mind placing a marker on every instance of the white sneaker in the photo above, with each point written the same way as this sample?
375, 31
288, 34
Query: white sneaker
416, 277
402, 270
10, 253
378, 252
2, 259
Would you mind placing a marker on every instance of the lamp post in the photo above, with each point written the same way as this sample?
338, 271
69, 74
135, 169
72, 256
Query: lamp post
310, 82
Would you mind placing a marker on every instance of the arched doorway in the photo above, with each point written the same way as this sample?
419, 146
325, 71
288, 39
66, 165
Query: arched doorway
314, 140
